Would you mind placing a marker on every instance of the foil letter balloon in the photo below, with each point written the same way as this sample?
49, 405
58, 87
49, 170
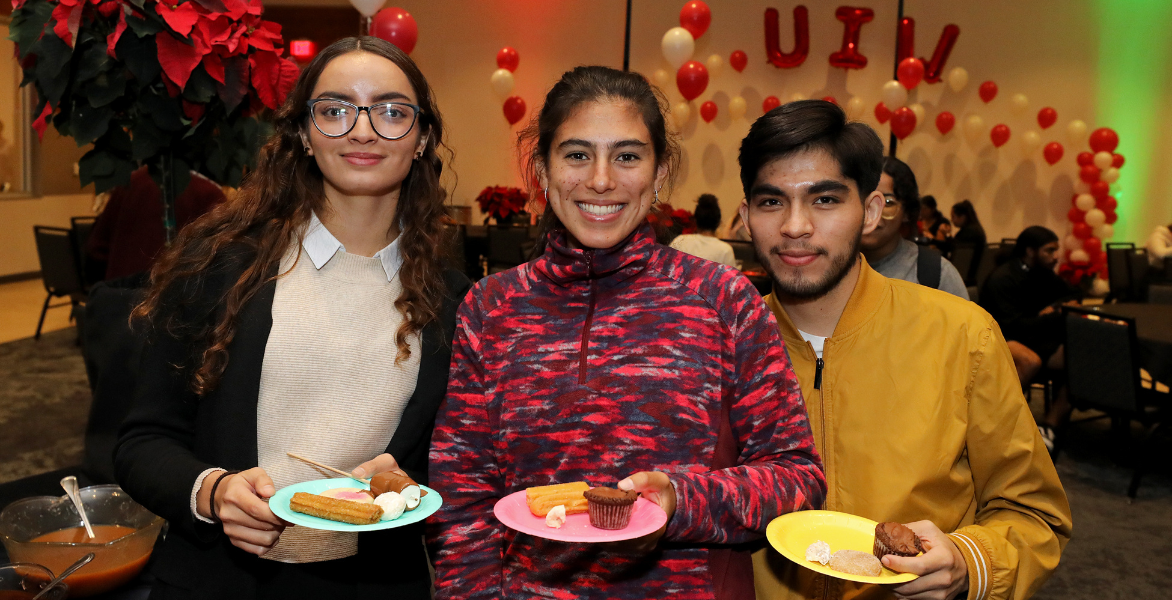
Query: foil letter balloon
853, 19
801, 49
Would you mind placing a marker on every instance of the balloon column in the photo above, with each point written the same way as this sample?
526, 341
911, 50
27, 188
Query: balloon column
1092, 216
502, 81
692, 76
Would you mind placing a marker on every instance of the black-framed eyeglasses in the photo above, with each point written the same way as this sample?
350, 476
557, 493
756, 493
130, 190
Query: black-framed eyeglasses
390, 120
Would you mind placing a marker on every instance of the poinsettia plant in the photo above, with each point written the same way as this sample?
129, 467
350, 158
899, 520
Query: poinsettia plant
502, 202
172, 84
669, 222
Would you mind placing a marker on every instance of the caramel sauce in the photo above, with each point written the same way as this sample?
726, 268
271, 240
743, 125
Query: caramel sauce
109, 570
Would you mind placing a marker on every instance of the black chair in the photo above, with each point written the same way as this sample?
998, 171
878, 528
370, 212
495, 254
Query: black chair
1103, 373
988, 263
743, 251
91, 271
1119, 270
1140, 273
505, 247
962, 259
59, 272
1160, 294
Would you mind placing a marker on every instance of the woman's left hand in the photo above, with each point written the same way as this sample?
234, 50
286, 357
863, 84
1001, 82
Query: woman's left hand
654, 486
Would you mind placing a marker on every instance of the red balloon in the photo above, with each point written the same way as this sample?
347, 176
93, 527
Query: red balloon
738, 60
1053, 152
1081, 231
830, 99
1089, 173
514, 109
1047, 117
708, 111
770, 103
1111, 218
1092, 245
903, 122
508, 58
988, 91
1100, 189
1104, 139
396, 26
853, 19
695, 17
1074, 215
787, 60
945, 122
1117, 161
1108, 204
1085, 158
910, 72
999, 135
692, 79
882, 113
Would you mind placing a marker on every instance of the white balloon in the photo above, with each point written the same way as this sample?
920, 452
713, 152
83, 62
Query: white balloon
1082, 187
1084, 202
715, 65
1111, 175
680, 113
737, 107
855, 107
367, 8
1103, 160
677, 46
1071, 243
958, 78
1105, 231
1079, 256
662, 78
502, 83
1019, 104
798, 96
919, 111
1076, 131
894, 95
1030, 141
1095, 217
974, 128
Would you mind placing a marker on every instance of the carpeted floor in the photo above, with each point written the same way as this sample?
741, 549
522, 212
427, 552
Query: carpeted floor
44, 403
1120, 550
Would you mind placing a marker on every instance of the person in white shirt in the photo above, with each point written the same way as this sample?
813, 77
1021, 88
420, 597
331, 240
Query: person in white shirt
1160, 246
704, 242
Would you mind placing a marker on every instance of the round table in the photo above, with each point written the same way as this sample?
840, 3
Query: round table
1153, 328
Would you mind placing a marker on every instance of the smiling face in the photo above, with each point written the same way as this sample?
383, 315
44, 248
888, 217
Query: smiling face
807, 219
601, 173
360, 163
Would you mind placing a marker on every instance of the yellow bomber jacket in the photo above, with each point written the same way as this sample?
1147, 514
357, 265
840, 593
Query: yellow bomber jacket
918, 415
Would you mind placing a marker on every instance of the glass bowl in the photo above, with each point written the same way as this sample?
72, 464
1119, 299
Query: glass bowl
47, 530
22, 581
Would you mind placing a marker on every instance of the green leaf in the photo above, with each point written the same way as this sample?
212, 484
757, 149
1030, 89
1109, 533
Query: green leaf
93, 61
28, 23
117, 140
119, 176
107, 88
164, 111
52, 59
235, 86
201, 87
89, 123
147, 140
141, 57
95, 163
147, 27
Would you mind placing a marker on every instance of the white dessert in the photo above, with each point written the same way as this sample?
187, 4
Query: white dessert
556, 517
392, 504
411, 495
818, 552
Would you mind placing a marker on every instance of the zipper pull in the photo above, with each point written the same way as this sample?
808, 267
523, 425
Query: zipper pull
818, 375
590, 263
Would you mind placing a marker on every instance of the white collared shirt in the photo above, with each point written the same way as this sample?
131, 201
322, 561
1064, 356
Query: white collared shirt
321, 246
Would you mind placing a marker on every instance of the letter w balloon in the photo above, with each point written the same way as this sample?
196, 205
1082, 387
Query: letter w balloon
905, 48
801, 49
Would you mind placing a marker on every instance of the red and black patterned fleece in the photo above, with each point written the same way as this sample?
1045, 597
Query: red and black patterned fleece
594, 365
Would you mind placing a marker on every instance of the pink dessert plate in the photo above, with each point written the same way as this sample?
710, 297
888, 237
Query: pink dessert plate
646, 517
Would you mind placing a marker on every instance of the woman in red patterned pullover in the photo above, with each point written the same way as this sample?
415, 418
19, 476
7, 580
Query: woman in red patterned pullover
613, 360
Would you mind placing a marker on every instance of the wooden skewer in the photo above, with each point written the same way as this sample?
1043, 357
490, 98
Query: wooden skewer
327, 467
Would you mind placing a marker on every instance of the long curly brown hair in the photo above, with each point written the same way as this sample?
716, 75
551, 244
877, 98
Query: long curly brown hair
273, 207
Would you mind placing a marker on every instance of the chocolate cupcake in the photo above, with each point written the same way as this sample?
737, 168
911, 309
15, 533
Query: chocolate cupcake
893, 538
609, 508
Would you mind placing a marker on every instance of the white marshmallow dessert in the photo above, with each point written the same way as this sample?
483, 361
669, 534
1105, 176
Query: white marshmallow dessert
393, 505
556, 517
411, 495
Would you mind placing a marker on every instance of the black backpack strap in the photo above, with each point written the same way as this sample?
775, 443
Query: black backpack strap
928, 267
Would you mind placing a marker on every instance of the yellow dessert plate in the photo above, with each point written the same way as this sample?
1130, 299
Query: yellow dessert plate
792, 533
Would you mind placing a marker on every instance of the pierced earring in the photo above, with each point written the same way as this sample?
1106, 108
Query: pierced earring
418, 155
657, 196
546, 192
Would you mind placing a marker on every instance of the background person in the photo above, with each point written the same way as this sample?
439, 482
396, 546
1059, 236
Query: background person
934, 225
912, 395
969, 232
614, 359
890, 253
312, 314
704, 242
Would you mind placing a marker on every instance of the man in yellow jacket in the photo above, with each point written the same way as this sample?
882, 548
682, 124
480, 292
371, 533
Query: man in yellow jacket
911, 392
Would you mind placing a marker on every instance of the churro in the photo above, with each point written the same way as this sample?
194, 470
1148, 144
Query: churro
345, 511
543, 498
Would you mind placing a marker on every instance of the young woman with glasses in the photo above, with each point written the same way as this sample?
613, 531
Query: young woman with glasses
311, 314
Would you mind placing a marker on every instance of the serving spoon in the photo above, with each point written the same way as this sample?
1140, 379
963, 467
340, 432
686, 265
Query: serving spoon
70, 485
83, 561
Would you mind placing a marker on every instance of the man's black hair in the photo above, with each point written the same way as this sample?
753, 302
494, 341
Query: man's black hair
807, 125
1033, 238
904, 186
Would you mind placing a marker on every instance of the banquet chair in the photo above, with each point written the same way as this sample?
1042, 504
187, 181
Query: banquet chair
91, 272
1103, 373
988, 263
743, 252
962, 259
1119, 271
1160, 294
505, 247
59, 271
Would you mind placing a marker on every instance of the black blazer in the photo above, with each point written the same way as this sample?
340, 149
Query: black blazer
172, 435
